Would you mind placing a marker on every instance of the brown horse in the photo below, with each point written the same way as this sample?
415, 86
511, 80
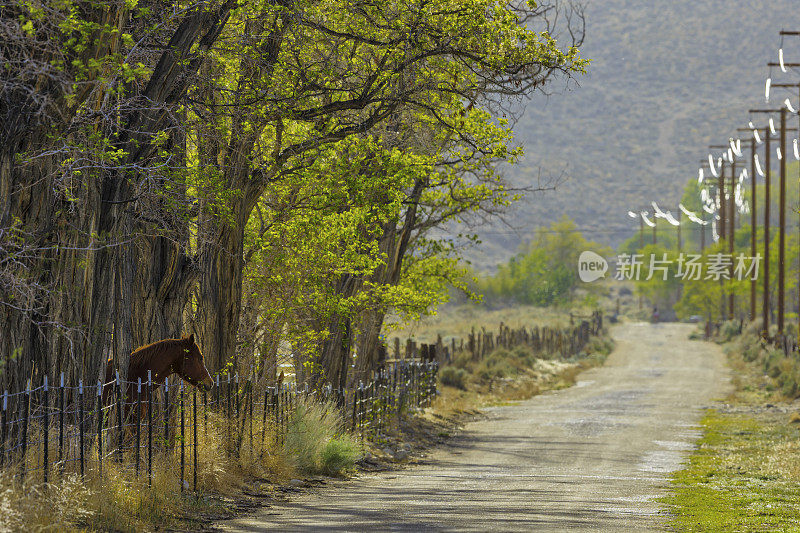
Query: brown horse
164, 358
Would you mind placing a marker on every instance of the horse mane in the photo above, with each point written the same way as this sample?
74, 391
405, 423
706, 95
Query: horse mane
156, 350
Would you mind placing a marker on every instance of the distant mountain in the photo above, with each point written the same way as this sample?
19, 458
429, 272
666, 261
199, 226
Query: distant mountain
666, 80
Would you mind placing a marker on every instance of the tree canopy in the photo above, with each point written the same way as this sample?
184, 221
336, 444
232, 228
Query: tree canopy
265, 173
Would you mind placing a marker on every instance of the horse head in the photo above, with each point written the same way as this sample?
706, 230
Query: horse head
192, 368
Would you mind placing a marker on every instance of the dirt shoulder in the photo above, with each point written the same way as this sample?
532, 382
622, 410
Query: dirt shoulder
594, 456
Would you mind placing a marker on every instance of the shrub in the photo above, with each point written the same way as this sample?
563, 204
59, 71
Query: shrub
340, 454
697, 335
521, 352
497, 366
599, 346
315, 442
751, 352
730, 329
463, 360
772, 363
453, 377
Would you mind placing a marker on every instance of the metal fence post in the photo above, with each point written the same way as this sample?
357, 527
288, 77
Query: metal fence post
183, 436
149, 428
80, 425
138, 422
46, 401
3, 429
236, 393
250, 400
166, 413
264, 419
194, 440
120, 420
100, 426
228, 416
61, 409
26, 410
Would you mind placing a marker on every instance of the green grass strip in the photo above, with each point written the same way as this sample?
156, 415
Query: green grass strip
742, 477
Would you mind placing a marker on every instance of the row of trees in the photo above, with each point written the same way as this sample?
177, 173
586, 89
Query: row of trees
544, 270
265, 173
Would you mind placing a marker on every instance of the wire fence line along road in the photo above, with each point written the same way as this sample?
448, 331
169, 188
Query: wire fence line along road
59, 428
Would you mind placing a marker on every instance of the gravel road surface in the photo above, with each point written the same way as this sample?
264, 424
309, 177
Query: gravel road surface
595, 456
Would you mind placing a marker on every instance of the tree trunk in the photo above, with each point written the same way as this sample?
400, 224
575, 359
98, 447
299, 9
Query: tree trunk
219, 308
330, 366
394, 244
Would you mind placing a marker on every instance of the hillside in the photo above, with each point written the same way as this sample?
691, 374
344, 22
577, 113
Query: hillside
666, 80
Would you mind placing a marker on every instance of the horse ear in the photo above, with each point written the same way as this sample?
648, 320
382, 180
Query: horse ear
191, 338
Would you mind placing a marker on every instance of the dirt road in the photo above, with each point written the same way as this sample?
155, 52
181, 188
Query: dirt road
594, 456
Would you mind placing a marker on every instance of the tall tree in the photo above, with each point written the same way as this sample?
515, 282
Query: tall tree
295, 77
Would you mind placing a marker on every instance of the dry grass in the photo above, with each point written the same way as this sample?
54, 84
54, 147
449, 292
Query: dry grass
120, 501
316, 441
57, 506
762, 368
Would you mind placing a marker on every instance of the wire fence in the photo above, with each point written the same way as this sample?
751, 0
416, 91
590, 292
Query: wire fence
56, 429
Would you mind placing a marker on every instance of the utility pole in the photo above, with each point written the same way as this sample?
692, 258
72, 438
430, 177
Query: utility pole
783, 66
753, 225
702, 231
655, 226
641, 231
732, 235
781, 218
782, 225
722, 230
767, 195
703, 216
753, 218
680, 219
728, 218
791, 86
722, 206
